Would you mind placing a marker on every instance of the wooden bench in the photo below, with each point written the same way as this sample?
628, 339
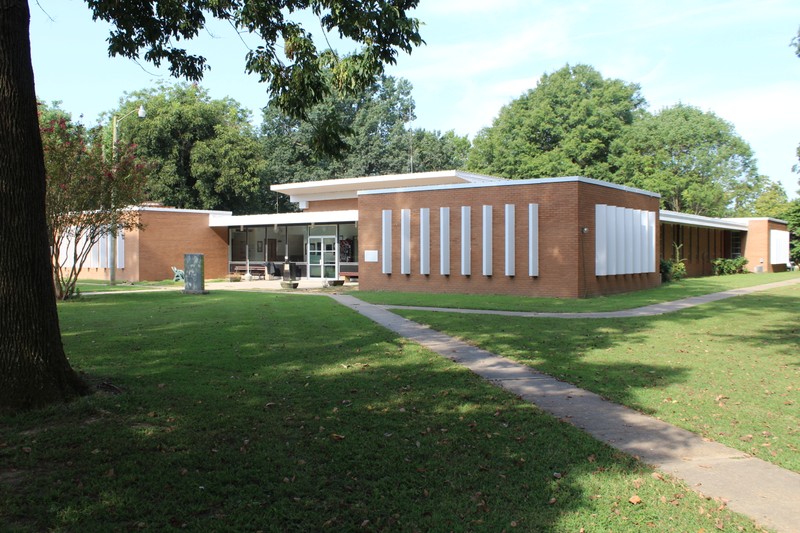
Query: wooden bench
348, 276
255, 270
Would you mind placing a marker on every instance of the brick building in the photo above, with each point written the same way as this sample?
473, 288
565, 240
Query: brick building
453, 231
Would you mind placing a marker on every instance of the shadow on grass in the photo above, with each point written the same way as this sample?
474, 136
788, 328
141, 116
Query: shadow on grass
265, 412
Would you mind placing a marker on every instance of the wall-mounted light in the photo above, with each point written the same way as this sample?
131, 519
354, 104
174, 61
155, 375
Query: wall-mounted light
584, 230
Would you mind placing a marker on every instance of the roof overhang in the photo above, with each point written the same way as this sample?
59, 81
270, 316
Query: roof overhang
685, 219
281, 219
349, 187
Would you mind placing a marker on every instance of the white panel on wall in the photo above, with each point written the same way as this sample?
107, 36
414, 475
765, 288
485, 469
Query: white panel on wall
121, 249
444, 241
424, 241
533, 240
778, 247
651, 241
620, 229
611, 239
645, 238
370, 256
386, 241
486, 239
103, 245
600, 241
629, 237
636, 241
405, 241
466, 240
510, 238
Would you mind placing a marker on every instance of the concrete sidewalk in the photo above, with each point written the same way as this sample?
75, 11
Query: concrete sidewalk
767, 493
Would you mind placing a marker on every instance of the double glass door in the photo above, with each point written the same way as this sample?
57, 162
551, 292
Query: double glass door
322, 257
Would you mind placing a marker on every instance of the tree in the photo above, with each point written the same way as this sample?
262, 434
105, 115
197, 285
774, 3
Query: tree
792, 215
563, 127
378, 141
694, 159
87, 194
772, 202
204, 152
33, 366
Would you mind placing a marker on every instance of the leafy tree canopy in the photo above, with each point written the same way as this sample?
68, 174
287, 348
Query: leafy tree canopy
287, 60
377, 142
693, 158
204, 152
563, 127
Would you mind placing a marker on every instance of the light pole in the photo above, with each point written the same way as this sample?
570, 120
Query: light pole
112, 274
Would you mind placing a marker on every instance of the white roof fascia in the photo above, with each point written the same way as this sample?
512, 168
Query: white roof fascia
507, 183
175, 210
324, 189
341, 195
313, 217
745, 220
686, 219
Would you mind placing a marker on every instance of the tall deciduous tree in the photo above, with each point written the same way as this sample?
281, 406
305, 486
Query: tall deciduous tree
563, 127
694, 159
378, 139
88, 193
33, 366
204, 152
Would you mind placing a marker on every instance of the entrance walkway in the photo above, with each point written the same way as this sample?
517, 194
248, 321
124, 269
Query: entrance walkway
767, 493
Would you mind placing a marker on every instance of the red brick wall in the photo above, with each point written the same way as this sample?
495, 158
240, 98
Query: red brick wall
756, 246
345, 204
700, 246
168, 235
566, 265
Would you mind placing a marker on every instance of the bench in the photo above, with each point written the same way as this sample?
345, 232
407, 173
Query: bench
255, 270
348, 276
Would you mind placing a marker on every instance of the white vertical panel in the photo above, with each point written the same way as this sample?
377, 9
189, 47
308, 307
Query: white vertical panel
511, 243
628, 247
533, 240
424, 241
466, 240
644, 233
444, 241
636, 241
620, 229
611, 238
386, 241
486, 238
600, 241
103, 245
120, 249
778, 247
95, 253
651, 241
405, 241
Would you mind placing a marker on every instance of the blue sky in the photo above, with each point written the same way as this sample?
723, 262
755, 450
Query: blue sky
731, 57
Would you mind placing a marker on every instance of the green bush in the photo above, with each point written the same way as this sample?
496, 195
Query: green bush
672, 270
725, 267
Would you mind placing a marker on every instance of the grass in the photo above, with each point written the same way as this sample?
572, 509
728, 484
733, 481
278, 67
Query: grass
240, 411
88, 286
665, 293
729, 370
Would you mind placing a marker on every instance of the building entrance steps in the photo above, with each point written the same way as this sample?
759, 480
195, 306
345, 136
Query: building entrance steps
768, 494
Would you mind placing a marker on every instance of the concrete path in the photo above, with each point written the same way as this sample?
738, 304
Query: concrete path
768, 494
648, 310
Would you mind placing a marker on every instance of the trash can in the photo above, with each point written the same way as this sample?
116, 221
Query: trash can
288, 271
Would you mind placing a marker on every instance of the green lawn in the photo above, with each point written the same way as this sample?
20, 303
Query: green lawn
665, 293
245, 412
87, 286
729, 370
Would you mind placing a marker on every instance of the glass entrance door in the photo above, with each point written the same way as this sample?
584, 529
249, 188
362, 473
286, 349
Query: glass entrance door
322, 258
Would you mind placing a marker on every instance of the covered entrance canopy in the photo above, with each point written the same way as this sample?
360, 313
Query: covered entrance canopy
321, 245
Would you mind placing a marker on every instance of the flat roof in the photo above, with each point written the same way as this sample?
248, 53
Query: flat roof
685, 219
349, 187
306, 217
511, 183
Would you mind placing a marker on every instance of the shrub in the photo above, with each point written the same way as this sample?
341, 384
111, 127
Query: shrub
673, 269
725, 267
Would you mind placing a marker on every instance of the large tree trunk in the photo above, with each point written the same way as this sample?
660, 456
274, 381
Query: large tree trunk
33, 367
